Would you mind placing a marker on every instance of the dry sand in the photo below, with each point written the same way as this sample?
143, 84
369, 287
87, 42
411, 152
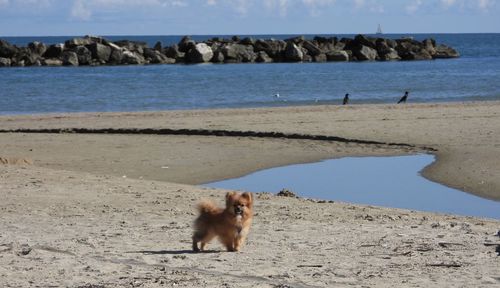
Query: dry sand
96, 210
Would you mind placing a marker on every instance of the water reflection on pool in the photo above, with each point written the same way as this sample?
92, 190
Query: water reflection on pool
383, 181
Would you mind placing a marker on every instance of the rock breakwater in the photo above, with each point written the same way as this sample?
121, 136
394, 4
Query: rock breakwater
95, 51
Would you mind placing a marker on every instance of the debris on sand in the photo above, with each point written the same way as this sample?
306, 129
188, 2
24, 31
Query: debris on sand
286, 193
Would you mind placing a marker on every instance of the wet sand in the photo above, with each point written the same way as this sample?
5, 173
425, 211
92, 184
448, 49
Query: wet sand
102, 209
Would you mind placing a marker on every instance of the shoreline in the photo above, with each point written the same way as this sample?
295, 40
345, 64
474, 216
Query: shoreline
390, 117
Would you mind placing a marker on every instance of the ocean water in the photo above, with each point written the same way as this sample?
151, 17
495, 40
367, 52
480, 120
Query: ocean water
474, 76
385, 181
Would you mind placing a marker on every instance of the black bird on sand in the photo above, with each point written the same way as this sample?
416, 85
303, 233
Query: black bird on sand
403, 99
346, 99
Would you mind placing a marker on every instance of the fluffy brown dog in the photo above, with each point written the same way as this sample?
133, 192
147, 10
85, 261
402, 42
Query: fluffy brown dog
230, 225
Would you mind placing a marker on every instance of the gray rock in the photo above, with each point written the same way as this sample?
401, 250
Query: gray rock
296, 40
200, 53
7, 50
363, 53
443, 52
429, 45
156, 57
320, 58
311, 48
23, 250
84, 55
37, 48
130, 57
116, 57
173, 52
70, 58
218, 57
262, 57
4, 62
79, 42
273, 48
134, 46
247, 41
235, 53
54, 51
390, 55
100, 52
158, 46
364, 41
293, 53
337, 56
185, 44
52, 62
24, 56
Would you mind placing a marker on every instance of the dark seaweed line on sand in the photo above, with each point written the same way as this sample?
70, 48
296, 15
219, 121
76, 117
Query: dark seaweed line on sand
220, 133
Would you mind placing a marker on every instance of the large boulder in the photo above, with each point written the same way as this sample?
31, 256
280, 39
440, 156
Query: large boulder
262, 57
312, 49
116, 57
5, 62
296, 40
247, 41
364, 53
7, 50
156, 57
200, 53
37, 48
273, 48
186, 44
84, 55
100, 52
430, 45
134, 46
293, 53
78, 42
337, 56
365, 41
158, 46
25, 57
174, 53
320, 58
70, 58
385, 52
52, 62
389, 55
235, 53
54, 51
130, 57
218, 56
443, 52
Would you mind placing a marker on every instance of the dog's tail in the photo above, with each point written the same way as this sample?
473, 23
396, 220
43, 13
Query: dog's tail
208, 207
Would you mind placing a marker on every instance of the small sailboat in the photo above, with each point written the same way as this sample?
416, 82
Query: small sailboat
379, 29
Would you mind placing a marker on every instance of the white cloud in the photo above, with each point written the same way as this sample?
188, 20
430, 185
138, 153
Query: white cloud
371, 5
358, 4
448, 3
211, 2
83, 9
485, 4
315, 6
413, 6
4, 3
80, 11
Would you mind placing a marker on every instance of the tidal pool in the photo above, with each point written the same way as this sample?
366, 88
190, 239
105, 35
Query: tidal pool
382, 181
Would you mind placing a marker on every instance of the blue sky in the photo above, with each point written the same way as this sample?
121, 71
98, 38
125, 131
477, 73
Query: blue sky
228, 17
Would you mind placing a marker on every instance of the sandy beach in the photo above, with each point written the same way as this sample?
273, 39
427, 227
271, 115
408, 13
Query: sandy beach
108, 199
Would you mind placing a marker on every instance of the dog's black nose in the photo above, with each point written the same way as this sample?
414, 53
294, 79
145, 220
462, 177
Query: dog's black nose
238, 210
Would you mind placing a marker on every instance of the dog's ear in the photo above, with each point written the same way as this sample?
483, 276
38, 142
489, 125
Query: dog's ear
229, 197
248, 196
